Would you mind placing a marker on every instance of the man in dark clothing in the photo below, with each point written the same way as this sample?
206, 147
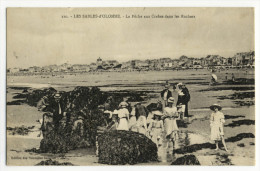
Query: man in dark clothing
183, 98
165, 95
57, 109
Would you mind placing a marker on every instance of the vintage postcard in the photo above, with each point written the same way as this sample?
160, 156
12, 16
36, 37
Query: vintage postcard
130, 86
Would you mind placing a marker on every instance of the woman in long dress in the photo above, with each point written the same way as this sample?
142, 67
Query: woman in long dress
156, 128
217, 120
132, 122
170, 116
142, 125
123, 115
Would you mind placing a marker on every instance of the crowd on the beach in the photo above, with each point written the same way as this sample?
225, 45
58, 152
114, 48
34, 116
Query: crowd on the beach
158, 124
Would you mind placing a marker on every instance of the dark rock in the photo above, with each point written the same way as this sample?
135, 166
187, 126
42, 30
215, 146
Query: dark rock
54, 163
125, 147
240, 137
186, 160
16, 102
252, 143
241, 145
241, 122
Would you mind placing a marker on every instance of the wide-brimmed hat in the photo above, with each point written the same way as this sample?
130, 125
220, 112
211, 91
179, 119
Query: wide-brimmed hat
180, 84
137, 103
215, 105
123, 104
171, 100
157, 113
57, 96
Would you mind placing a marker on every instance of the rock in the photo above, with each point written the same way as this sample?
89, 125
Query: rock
53, 162
186, 160
125, 147
241, 145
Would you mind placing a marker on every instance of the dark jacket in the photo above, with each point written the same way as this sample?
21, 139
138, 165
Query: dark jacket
169, 94
185, 98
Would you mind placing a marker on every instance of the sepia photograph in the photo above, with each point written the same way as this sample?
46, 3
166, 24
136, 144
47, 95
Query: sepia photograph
135, 86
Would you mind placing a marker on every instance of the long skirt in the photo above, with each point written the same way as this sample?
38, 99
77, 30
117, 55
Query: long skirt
156, 135
170, 126
216, 132
123, 124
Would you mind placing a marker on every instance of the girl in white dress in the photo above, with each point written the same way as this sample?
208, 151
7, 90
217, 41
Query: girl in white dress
156, 128
123, 115
217, 120
170, 115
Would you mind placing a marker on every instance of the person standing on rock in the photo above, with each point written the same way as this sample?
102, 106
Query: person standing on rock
123, 115
217, 120
57, 110
166, 94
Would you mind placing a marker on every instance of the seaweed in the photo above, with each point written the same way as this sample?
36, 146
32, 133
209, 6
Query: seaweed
241, 145
239, 137
233, 117
227, 88
195, 147
16, 102
53, 162
18, 88
23, 130
241, 122
20, 96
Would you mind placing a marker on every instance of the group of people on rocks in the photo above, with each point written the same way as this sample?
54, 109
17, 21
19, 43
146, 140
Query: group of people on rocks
160, 123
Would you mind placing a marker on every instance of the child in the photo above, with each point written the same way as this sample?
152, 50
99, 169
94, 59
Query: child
156, 128
217, 120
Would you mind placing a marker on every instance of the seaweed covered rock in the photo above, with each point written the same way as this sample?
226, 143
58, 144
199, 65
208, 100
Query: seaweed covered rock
186, 160
125, 147
54, 163
35, 96
77, 126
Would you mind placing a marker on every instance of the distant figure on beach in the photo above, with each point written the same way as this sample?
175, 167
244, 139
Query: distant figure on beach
214, 79
123, 115
166, 94
226, 77
183, 98
217, 120
233, 77
170, 115
156, 128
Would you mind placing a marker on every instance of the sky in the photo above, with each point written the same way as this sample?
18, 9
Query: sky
40, 36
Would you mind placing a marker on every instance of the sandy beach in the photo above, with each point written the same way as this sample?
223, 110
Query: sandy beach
237, 101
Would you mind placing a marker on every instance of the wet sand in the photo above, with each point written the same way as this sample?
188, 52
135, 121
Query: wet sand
197, 132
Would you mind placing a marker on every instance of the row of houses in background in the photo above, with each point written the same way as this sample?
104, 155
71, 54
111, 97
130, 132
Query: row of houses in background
184, 62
